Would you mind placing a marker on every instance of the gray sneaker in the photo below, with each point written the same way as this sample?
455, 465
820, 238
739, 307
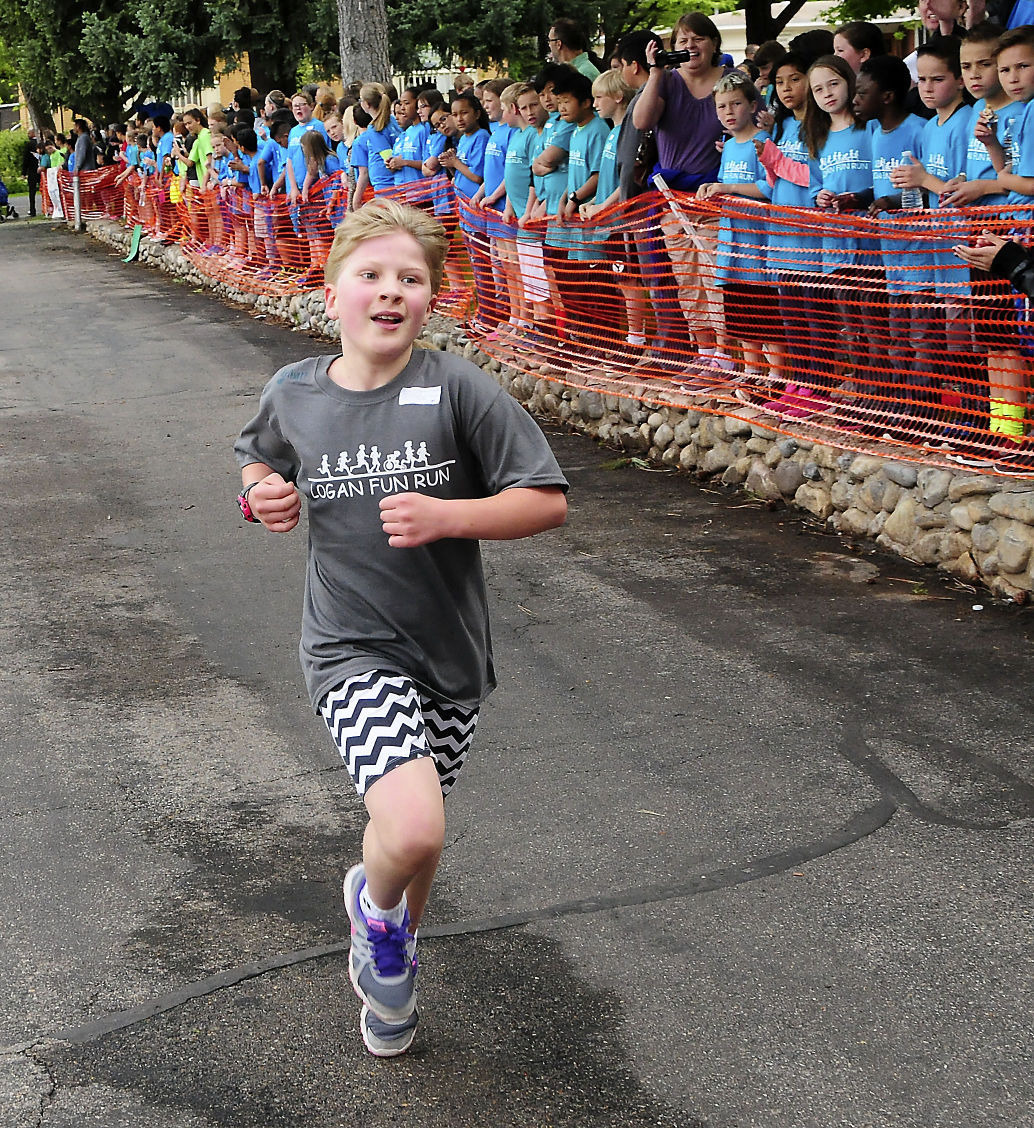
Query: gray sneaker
386, 1039
382, 958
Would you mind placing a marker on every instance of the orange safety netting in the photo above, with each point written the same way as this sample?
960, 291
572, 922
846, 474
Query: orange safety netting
864, 333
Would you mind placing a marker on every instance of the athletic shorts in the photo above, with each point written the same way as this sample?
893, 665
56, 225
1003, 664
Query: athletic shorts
381, 720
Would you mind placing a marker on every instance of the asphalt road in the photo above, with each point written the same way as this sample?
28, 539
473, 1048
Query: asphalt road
745, 842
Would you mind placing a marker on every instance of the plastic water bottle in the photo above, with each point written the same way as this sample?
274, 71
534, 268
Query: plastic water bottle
1007, 145
911, 198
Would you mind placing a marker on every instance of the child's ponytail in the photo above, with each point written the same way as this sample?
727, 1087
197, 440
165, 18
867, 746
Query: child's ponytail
376, 97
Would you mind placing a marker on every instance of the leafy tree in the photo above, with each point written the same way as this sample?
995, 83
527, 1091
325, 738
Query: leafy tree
97, 57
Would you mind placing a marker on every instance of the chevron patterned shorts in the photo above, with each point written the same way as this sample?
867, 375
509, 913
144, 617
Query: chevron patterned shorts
380, 720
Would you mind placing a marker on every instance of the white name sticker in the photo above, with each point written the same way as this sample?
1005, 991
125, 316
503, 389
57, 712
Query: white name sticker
420, 395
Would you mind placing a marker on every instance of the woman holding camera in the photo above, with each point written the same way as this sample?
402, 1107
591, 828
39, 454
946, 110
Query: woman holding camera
678, 105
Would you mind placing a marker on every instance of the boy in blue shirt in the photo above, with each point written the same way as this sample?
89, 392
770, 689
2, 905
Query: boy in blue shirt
549, 171
916, 342
269, 172
943, 155
590, 293
996, 118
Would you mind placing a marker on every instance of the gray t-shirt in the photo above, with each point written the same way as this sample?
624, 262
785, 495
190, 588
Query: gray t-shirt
441, 427
628, 146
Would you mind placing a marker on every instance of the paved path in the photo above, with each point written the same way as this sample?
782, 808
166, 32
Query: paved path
746, 841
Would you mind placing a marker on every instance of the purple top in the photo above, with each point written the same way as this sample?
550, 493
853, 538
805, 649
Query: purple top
687, 130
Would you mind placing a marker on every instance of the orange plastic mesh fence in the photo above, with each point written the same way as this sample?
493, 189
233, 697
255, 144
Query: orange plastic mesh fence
869, 334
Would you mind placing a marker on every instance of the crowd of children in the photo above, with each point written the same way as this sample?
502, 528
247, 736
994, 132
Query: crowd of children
831, 285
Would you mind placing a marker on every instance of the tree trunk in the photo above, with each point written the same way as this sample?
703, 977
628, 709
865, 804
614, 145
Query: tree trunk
267, 73
363, 31
39, 115
758, 18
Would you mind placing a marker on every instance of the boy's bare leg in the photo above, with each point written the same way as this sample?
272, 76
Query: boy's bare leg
404, 837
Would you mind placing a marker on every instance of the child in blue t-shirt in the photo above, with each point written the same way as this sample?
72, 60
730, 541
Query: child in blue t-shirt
916, 339
245, 163
549, 180
516, 187
842, 147
535, 281
741, 262
994, 324
611, 96
490, 198
1013, 158
407, 153
269, 173
492, 193
373, 149
588, 293
302, 107
467, 164
794, 253
942, 156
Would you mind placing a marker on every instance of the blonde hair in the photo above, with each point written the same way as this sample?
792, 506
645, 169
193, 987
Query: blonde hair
376, 97
384, 216
510, 95
611, 85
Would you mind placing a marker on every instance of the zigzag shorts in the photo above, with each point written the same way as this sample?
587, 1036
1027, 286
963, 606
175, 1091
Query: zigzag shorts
380, 720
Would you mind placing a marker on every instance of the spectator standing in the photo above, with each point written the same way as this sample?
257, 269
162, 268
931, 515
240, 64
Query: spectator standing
567, 44
679, 106
85, 153
31, 167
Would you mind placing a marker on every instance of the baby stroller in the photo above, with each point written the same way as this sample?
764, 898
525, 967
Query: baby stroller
6, 210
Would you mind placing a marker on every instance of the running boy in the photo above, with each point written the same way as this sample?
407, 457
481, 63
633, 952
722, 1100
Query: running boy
406, 457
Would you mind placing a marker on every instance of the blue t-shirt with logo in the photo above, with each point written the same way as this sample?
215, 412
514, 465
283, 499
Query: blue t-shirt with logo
296, 154
583, 159
978, 160
471, 151
495, 158
944, 151
370, 155
517, 169
742, 242
905, 266
789, 250
845, 165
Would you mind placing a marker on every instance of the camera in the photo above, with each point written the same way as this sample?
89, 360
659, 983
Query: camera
672, 58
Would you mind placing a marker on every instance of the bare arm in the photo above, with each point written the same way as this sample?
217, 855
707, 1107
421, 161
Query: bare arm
550, 158
649, 109
412, 519
274, 501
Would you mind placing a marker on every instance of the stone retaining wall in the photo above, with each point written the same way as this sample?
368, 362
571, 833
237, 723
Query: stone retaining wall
976, 527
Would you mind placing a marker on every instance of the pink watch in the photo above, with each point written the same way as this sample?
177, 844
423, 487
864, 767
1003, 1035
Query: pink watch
245, 508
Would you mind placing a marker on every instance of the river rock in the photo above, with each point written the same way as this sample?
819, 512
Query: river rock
901, 526
815, 499
1018, 506
902, 473
788, 477
933, 485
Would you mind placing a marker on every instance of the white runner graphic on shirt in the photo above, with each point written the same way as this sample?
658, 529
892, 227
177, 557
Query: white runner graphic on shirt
370, 472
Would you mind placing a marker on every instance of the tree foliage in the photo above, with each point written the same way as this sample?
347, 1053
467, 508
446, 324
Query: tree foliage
99, 56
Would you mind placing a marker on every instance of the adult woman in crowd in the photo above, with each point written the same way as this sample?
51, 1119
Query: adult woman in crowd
678, 105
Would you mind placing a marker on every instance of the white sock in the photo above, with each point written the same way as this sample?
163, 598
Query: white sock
722, 360
707, 352
392, 916
636, 339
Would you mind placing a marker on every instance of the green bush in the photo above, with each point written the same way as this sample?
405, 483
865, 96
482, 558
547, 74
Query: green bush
12, 149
